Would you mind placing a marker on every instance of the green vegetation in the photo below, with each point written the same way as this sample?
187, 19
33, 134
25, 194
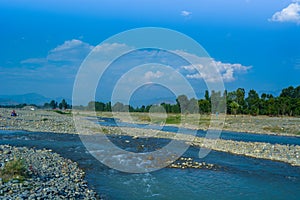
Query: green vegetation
144, 118
274, 129
173, 119
14, 170
54, 105
62, 112
235, 102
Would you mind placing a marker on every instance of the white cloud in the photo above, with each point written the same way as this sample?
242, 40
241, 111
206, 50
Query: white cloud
204, 70
70, 50
37, 61
153, 75
185, 13
61, 62
289, 14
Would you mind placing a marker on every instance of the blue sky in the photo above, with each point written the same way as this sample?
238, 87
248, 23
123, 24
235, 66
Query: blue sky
256, 43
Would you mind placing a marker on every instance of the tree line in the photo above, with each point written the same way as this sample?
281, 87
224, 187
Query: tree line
63, 105
234, 102
54, 105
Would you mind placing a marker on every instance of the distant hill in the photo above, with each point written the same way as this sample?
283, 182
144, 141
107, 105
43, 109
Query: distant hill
30, 98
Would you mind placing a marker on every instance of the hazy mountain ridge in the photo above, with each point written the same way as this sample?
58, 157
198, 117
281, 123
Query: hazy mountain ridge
29, 98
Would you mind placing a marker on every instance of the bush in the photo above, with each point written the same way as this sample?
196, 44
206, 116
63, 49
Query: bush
14, 169
62, 113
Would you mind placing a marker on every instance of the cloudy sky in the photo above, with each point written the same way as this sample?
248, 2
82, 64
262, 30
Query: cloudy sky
252, 43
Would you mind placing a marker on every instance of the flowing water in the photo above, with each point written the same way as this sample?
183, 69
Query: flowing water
226, 135
239, 177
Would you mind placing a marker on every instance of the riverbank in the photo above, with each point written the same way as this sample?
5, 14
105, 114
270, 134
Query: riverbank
44, 175
50, 121
289, 126
37, 121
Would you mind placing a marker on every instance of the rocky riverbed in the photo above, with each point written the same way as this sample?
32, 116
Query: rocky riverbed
50, 121
37, 121
185, 163
48, 176
277, 152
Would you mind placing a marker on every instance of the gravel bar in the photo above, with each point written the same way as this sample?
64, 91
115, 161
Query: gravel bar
49, 176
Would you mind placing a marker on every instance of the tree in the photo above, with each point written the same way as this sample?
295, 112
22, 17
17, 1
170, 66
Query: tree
47, 105
108, 107
60, 106
53, 104
207, 95
215, 100
253, 102
175, 108
234, 106
288, 92
193, 106
240, 99
232, 96
271, 107
118, 107
183, 103
64, 104
99, 106
91, 105
204, 106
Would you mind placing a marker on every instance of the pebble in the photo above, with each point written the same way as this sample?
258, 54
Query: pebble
35, 121
186, 163
50, 176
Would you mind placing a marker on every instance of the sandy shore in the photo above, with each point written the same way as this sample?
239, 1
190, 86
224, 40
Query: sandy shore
50, 121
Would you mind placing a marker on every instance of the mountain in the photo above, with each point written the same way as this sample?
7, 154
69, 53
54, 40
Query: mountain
30, 98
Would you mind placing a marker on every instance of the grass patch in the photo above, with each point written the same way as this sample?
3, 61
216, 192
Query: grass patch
101, 129
144, 118
14, 170
173, 119
61, 112
104, 130
275, 129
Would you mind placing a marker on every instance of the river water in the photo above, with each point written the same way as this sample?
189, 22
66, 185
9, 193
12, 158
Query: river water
226, 135
239, 177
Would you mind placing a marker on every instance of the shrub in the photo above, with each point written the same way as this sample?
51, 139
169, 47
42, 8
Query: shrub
14, 169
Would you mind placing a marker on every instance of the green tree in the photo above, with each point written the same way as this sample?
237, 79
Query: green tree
215, 100
240, 99
253, 102
53, 104
288, 92
47, 105
193, 106
204, 106
108, 107
207, 95
118, 107
234, 106
183, 103
91, 105
64, 104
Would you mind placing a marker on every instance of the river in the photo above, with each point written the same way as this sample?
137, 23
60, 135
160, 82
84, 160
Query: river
239, 177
